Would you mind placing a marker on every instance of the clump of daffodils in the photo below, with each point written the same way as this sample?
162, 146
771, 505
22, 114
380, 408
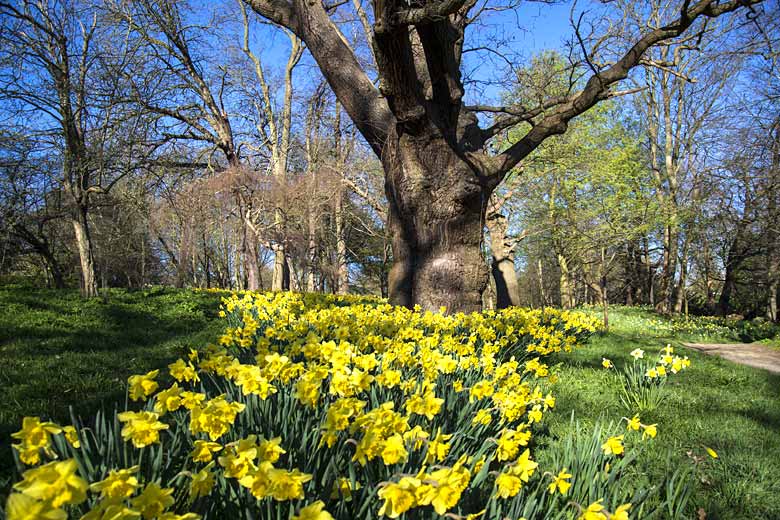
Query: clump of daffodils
323, 406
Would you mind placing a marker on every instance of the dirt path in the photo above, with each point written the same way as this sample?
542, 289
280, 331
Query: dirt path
750, 354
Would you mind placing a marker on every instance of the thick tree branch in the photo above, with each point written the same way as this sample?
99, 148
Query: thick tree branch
599, 83
337, 61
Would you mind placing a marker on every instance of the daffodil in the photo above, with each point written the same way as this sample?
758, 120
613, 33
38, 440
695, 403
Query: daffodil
560, 483
613, 446
56, 483
141, 386
153, 500
142, 428
399, 497
315, 511
120, 483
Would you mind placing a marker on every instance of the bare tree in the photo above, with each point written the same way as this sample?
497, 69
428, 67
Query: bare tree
274, 128
438, 176
64, 75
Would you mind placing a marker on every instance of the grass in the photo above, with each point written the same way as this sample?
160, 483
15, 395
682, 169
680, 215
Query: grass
58, 350
732, 409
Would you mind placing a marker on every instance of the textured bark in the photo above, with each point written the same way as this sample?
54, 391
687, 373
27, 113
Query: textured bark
281, 272
89, 287
502, 248
341, 279
311, 285
668, 269
342, 271
436, 225
251, 264
733, 262
568, 299
680, 292
540, 274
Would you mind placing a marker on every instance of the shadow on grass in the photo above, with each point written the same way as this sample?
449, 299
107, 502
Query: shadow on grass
58, 350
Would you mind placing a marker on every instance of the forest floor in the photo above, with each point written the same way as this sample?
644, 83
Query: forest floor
751, 354
58, 351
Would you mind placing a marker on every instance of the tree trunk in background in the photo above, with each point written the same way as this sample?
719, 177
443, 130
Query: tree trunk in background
341, 275
566, 283
709, 283
237, 261
733, 262
342, 271
773, 226
503, 263
251, 265
680, 293
311, 284
281, 273
435, 217
668, 270
58, 279
89, 286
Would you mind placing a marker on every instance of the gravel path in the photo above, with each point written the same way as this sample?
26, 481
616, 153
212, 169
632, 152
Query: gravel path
750, 354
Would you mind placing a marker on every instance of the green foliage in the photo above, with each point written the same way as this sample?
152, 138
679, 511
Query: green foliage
639, 393
59, 350
715, 403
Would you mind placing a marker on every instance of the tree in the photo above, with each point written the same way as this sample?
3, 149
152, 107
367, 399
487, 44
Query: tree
63, 71
438, 176
31, 203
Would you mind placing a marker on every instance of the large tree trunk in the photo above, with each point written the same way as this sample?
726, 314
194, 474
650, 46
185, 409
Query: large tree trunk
89, 287
503, 263
437, 209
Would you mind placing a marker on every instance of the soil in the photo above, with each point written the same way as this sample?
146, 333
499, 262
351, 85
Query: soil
750, 354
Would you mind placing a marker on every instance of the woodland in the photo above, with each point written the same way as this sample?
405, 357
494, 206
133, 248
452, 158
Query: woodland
420, 259
467, 154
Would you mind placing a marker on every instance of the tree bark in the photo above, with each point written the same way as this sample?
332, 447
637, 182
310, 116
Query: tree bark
503, 264
566, 283
89, 286
680, 293
436, 215
733, 262
251, 264
341, 278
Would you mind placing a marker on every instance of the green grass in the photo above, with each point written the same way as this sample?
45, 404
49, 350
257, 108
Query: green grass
715, 403
58, 350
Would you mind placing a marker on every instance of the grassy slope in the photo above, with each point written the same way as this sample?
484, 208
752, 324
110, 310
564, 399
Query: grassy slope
57, 350
715, 403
